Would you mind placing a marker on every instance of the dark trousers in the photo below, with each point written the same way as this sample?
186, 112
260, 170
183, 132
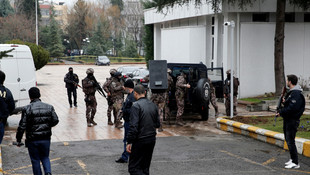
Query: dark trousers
125, 154
290, 129
2, 126
70, 92
141, 156
39, 152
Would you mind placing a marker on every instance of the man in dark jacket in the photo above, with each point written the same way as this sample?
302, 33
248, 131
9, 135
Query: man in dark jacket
126, 108
72, 81
294, 106
144, 120
7, 104
37, 120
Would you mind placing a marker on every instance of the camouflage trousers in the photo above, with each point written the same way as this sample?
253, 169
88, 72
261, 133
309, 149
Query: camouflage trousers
180, 105
227, 105
167, 109
109, 111
213, 102
160, 106
117, 106
91, 107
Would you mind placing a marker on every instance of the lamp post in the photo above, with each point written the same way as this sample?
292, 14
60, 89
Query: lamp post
86, 41
37, 38
231, 24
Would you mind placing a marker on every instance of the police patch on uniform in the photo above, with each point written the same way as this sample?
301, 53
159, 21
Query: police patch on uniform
293, 101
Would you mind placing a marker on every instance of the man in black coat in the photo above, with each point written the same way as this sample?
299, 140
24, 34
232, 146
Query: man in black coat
144, 120
126, 110
72, 81
7, 104
37, 120
294, 106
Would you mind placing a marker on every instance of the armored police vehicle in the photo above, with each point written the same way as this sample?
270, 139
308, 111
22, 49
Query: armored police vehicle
197, 98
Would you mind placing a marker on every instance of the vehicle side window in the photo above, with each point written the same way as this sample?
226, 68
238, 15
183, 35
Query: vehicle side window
203, 74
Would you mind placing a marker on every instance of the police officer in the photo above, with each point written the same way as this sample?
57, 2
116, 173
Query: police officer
7, 104
181, 86
117, 96
89, 88
227, 93
72, 80
106, 88
213, 98
170, 83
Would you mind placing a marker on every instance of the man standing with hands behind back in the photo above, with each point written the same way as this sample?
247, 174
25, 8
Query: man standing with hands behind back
294, 106
144, 120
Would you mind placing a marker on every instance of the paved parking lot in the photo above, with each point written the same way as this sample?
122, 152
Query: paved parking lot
72, 125
197, 148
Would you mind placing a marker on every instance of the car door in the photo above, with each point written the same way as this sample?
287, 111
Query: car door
217, 78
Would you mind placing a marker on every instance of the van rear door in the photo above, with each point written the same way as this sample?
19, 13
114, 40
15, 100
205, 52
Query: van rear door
27, 77
9, 66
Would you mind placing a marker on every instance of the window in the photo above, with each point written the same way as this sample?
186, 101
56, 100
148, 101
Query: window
307, 17
260, 17
290, 17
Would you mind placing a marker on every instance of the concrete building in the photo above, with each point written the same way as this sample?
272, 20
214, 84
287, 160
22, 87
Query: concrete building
60, 12
196, 34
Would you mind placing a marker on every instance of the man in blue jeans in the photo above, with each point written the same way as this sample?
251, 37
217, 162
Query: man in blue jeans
294, 106
126, 114
7, 104
38, 118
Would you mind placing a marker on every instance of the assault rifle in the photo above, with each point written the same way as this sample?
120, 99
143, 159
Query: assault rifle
73, 82
98, 87
279, 104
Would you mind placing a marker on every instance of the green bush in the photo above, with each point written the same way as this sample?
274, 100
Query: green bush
39, 54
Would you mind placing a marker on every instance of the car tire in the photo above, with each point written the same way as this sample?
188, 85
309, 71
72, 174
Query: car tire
203, 91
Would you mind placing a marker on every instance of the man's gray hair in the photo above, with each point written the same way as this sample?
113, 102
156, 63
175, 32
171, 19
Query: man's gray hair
139, 89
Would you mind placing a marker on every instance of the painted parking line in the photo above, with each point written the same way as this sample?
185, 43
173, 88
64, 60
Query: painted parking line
83, 166
24, 167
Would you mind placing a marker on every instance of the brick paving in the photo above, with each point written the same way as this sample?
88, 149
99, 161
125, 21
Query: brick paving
72, 125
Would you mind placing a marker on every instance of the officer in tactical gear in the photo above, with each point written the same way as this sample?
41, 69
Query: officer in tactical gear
181, 86
159, 99
72, 80
227, 93
213, 98
106, 88
117, 97
170, 84
89, 88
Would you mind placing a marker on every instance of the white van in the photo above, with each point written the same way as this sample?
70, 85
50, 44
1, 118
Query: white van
20, 72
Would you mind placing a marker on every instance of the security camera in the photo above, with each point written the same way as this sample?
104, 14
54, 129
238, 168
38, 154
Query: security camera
226, 23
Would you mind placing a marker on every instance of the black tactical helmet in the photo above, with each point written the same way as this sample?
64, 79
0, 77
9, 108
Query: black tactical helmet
117, 74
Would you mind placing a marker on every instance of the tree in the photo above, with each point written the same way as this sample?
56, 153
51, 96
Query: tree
17, 27
116, 27
130, 49
5, 8
279, 31
148, 38
39, 54
77, 26
133, 18
55, 46
97, 45
118, 3
27, 8
5, 53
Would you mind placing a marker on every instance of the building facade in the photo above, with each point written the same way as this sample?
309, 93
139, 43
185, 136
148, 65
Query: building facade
193, 34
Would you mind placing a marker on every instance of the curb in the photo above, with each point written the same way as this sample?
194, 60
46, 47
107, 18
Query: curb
275, 138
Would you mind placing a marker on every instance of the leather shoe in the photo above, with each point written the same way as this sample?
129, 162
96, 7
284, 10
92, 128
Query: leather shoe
120, 160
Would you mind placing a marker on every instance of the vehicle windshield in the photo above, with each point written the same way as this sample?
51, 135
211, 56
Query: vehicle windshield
127, 69
103, 58
141, 73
